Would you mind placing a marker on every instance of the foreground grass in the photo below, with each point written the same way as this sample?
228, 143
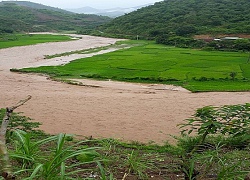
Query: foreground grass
12, 40
193, 69
219, 158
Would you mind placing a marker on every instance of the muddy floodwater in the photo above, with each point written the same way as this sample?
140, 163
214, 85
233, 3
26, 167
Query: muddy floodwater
127, 111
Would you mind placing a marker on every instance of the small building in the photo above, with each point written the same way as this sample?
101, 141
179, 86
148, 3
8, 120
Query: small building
231, 38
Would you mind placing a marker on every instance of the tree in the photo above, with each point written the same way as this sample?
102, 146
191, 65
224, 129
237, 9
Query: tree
186, 30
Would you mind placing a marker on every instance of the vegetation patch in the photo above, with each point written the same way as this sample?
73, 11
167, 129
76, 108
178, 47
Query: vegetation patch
196, 70
12, 40
88, 51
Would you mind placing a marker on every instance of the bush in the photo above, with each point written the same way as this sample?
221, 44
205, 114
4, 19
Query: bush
226, 120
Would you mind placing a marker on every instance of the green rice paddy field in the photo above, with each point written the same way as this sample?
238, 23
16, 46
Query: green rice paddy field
196, 70
11, 40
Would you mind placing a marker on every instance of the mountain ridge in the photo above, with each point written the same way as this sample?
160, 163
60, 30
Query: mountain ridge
34, 5
110, 12
16, 18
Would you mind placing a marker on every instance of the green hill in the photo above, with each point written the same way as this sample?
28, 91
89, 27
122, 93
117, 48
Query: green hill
34, 5
36, 17
184, 18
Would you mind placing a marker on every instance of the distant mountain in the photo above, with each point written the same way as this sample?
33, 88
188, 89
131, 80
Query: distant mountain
27, 16
184, 18
113, 12
85, 10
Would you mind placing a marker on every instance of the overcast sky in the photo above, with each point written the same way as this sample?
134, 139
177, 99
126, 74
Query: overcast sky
100, 4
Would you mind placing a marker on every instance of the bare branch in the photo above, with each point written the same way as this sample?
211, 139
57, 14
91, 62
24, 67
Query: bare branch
5, 166
20, 103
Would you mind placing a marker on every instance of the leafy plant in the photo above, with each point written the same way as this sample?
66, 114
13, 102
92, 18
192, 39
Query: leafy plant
229, 120
26, 151
226, 120
54, 164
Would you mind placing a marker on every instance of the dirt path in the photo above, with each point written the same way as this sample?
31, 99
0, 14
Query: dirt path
115, 109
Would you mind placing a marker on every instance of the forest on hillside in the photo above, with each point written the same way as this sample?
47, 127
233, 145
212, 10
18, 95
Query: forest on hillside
184, 18
17, 18
175, 22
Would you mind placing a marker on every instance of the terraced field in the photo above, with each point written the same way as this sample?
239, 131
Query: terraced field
193, 69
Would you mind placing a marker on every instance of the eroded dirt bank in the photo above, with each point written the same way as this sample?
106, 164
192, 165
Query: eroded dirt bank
115, 109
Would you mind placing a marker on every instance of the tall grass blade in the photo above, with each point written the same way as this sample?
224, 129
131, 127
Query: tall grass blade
35, 172
63, 171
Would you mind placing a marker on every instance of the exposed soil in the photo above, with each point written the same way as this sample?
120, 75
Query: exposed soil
138, 112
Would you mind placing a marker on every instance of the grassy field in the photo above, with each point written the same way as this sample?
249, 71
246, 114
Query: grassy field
193, 69
11, 40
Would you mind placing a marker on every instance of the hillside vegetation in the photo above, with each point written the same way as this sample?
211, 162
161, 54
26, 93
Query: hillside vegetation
32, 17
184, 18
34, 5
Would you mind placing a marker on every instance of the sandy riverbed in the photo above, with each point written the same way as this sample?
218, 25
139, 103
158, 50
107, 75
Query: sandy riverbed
140, 112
